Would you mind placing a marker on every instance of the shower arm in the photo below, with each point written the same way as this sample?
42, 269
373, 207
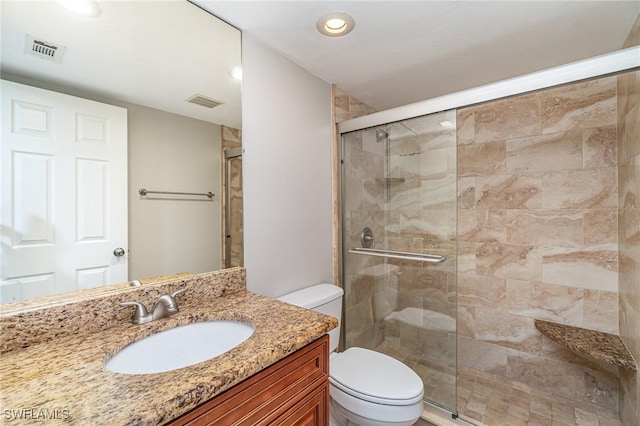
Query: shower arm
404, 255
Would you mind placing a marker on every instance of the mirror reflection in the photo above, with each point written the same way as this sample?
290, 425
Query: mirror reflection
136, 96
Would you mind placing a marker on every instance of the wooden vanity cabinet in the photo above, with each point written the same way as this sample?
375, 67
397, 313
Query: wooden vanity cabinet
293, 391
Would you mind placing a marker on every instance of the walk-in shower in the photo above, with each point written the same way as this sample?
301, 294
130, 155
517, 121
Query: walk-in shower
399, 231
462, 228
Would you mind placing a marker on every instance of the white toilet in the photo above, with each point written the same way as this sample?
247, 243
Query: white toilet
367, 388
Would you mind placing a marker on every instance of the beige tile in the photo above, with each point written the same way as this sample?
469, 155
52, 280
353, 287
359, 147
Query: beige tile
472, 415
590, 268
564, 380
512, 420
600, 147
551, 228
580, 189
601, 310
482, 225
600, 226
579, 106
541, 407
509, 192
545, 153
465, 126
538, 420
584, 418
482, 159
466, 193
509, 261
511, 118
501, 328
545, 301
474, 290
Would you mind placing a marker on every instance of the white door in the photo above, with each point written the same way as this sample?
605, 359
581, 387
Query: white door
64, 202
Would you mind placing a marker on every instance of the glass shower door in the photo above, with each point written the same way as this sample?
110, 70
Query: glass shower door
399, 195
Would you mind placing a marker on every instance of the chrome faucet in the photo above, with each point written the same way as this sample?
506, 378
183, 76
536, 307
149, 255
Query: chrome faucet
165, 306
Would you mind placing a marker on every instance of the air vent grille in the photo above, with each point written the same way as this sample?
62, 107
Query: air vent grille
43, 49
204, 101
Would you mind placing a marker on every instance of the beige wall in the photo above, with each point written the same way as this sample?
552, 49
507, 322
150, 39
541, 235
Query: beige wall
169, 234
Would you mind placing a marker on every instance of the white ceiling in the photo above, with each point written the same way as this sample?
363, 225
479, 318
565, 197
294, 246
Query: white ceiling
152, 53
407, 51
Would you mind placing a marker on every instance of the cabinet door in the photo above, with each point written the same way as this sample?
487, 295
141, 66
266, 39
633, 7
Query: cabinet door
313, 410
272, 394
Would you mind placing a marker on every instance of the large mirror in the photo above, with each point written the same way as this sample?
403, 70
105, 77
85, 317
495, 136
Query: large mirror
167, 68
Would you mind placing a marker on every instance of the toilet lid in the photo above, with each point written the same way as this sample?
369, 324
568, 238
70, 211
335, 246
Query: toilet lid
375, 377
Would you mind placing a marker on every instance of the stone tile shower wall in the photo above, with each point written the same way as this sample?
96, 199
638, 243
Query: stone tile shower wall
629, 236
232, 138
538, 235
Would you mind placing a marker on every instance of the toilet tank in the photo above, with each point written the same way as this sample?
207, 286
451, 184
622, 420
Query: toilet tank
324, 298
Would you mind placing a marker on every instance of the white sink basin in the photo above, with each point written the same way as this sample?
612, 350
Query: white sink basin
180, 347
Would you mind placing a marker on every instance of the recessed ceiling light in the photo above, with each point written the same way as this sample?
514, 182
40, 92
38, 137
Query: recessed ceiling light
236, 73
82, 7
335, 24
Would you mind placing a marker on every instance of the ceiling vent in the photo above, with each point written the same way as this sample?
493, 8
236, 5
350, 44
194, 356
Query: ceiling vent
43, 49
204, 101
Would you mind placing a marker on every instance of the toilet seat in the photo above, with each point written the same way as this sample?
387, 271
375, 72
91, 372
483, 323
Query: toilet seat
375, 377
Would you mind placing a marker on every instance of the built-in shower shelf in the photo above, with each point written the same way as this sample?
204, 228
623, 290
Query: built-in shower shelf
605, 347
389, 180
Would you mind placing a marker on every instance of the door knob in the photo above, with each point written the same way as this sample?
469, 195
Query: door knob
119, 252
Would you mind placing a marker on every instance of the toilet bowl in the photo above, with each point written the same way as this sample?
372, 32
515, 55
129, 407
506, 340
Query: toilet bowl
366, 388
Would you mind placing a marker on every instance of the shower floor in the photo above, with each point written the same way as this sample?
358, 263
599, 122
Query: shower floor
487, 400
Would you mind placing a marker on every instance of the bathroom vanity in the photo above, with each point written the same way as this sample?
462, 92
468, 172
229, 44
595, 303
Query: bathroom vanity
53, 360
293, 391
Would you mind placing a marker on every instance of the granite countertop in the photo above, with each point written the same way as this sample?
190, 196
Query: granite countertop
66, 377
598, 345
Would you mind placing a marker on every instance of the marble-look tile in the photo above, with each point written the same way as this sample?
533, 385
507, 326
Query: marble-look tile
601, 310
465, 126
474, 290
466, 193
466, 257
579, 106
629, 184
555, 228
482, 356
628, 116
545, 301
550, 376
600, 226
509, 192
493, 155
511, 118
499, 327
580, 189
600, 147
482, 225
590, 268
545, 153
509, 261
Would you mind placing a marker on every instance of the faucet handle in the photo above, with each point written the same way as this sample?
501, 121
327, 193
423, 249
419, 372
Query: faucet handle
141, 315
179, 291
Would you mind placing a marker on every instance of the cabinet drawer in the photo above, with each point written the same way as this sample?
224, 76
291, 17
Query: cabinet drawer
267, 395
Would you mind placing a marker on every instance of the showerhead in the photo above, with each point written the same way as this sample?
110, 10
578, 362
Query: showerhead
381, 135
